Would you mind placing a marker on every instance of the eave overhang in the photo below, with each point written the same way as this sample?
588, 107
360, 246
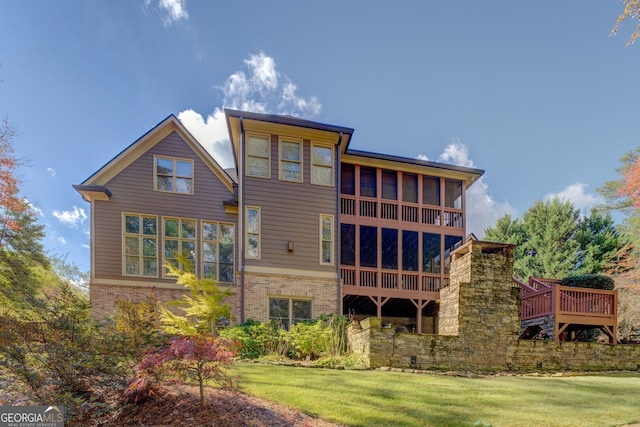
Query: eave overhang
407, 164
93, 192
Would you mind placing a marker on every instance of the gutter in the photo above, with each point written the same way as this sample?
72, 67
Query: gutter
338, 225
241, 218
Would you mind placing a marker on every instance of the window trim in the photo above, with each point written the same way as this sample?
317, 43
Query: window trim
332, 241
174, 176
217, 243
258, 234
247, 155
331, 167
139, 235
300, 142
180, 239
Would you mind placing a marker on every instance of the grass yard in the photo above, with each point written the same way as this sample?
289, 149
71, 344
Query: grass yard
376, 398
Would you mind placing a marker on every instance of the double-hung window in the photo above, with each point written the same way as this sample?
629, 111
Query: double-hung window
289, 311
140, 245
322, 165
179, 239
290, 160
173, 175
217, 251
258, 156
326, 239
253, 232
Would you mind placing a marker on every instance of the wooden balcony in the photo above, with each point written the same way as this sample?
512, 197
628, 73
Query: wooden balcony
574, 309
391, 284
391, 210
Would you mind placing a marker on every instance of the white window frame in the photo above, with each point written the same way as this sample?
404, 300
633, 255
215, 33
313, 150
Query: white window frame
180, 239
281, 161
140, 236
217, 242
323, 240
174, 175
257, 233
248, 156
320, 166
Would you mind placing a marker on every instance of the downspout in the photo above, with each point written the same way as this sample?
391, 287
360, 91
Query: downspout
241, 217
338, 225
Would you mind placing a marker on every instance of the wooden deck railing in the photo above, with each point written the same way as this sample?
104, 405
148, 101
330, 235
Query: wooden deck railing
371, 281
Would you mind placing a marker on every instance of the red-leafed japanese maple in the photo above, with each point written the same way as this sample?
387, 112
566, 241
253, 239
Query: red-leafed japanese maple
199, 358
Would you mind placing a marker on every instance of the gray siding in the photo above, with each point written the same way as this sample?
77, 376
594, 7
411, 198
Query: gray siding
291, 212
132, 191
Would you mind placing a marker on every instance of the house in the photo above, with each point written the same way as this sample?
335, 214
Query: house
302, 226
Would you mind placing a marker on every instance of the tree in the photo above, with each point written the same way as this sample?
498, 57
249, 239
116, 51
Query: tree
631, 11
554, 240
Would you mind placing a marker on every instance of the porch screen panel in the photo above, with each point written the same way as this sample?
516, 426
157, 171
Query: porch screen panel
410, 188
347, 179
368, 186
431, 190
348, 244
451, 243
368, 246
389, 185
431, 253
409, 250
390, 248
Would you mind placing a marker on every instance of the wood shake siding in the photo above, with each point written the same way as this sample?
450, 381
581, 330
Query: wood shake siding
290, 211
133, 192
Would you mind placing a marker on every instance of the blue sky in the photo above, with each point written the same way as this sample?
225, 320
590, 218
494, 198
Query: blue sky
536, 93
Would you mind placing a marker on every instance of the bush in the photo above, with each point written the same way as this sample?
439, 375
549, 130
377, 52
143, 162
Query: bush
258, 339
590, 281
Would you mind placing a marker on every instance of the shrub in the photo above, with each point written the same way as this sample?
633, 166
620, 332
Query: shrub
257, 339
590, 281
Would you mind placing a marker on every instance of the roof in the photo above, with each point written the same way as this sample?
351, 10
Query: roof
96, 182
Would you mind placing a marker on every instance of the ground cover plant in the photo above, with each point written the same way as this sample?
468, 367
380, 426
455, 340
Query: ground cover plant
377, 398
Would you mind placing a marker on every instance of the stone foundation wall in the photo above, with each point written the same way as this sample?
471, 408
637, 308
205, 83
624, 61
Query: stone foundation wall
479, 326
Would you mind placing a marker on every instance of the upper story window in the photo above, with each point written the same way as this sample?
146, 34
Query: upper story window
217, 251
431, 190
389, 185
253, 232
326, 239
179, 240
258, 156
140, 245
347, 179
291, 160
322, 165
174, 175
368, 187
453, 194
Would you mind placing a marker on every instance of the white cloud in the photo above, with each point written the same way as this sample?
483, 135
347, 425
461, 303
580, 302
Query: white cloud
174, 10
71, 218
423, 157
34, 208
51, 171
62, 240
483, 210
578, 195
259, 88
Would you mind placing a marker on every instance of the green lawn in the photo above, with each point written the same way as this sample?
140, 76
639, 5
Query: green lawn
376, 398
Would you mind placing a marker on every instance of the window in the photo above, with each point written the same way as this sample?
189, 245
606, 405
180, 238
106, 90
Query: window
217, 251
368, 246
453, 194
390, 248
258, 156
410, 187
289, 311
409, 250
348, 244
326, 239
253, 232
347, 179
430, 253
291, 160
389, 185
140, 245
179, 239
451, 243
321, 165
174, 175
367, 182
431, 190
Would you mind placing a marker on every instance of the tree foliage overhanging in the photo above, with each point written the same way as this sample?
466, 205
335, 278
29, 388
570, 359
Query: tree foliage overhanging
553, 240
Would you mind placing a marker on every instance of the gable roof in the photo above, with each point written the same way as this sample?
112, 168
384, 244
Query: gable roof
97, 181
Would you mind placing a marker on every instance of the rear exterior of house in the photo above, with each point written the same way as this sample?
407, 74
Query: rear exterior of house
306, 226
